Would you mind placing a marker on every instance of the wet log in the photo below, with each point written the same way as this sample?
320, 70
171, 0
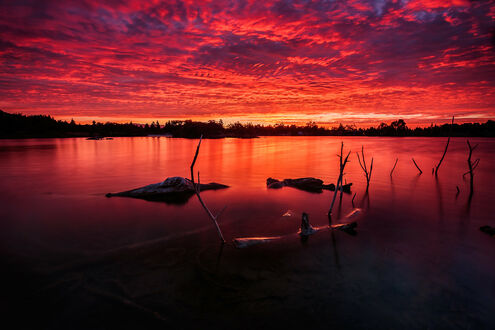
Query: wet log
305, 231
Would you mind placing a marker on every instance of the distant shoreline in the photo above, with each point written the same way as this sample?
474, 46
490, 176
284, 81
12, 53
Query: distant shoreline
18, 126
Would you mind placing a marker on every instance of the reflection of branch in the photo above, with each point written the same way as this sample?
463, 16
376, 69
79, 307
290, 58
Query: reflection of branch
446, 147
393, 168
343, 162
472, 166
197, 191
365, 168
475, 164
420, 172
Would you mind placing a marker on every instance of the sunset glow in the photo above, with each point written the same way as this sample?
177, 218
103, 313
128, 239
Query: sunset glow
358, 61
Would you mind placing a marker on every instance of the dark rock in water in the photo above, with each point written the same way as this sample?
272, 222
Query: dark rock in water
347, 188
269, 181
174, 190
488, 230
330, 187
306, 184
274, 183
349, 228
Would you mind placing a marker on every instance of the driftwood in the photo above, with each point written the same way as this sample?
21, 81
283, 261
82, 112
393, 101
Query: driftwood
342, 162
367, 173
420, 172
472, 166
305, 231
393, 168
197, 190
446, 147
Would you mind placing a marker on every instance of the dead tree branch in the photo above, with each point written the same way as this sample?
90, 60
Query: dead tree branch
342, 162
471, 166
393, 168
420, 172
446, 147
367, 173
197, 191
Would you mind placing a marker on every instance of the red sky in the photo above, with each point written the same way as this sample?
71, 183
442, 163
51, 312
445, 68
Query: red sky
356, 61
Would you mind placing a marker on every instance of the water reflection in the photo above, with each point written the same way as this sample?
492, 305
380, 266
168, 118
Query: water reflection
53, 211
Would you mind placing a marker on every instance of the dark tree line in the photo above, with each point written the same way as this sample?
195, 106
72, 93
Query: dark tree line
21, 126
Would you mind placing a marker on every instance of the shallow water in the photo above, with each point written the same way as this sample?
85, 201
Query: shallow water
419, 259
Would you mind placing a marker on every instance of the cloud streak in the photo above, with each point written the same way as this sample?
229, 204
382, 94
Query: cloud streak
356, 60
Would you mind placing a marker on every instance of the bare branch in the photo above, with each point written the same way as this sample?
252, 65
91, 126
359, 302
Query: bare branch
471, 165
393, 168
446, 147
343, 162
197, 190
360, 164
364, 160
476, 163
420, 172
195, 157
367, 173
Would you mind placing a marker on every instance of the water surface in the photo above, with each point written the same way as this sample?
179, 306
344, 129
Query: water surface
419, 259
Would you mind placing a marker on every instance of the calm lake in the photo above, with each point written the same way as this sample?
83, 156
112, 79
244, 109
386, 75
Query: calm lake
77, 259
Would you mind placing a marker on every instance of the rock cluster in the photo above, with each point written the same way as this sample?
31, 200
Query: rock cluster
306, 184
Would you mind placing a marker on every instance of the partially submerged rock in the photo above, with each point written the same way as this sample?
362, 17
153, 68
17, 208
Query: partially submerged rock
488, 230
349, 228
174, 190
306, 184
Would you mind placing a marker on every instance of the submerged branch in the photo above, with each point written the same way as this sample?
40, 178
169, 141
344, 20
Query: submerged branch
471, 166
367, 173
343, 162
446, 147
420, 172
197, 191
393, 168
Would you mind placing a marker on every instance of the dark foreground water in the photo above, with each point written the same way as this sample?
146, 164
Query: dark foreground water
74, 259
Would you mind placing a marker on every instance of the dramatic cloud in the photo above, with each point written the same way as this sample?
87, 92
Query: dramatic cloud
266, 61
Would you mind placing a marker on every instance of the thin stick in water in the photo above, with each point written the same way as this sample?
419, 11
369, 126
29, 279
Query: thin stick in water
420, 172
471, 166
367, 173
446, 147
342, 162
393, 168
197, 191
